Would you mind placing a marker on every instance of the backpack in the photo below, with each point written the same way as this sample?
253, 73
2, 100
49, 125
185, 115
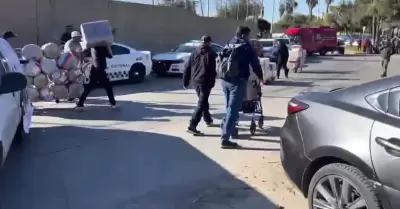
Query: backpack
228, 62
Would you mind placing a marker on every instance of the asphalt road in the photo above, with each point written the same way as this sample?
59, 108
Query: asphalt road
140, 157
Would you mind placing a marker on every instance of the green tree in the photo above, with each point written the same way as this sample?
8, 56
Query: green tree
189, 5
311, 5
287, 7
239, 9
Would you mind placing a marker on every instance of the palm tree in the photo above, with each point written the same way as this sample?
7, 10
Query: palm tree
328, 4
287, 7
311, 5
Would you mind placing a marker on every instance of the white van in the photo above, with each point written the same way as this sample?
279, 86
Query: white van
16, 109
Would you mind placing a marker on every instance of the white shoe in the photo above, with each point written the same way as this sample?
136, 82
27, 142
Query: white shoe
78, 109
114, 107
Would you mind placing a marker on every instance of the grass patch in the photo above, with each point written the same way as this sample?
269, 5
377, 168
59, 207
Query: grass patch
352, 50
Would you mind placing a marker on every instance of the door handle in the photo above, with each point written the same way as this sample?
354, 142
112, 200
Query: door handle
388, 143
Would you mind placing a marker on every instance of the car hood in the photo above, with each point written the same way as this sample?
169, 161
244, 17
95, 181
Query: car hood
171, 56
267, 49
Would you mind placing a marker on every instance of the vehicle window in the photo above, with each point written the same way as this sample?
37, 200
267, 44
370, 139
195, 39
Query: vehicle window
286, 41
394, 102
119, 50
184, 48
379, 100
216, 48
267, 43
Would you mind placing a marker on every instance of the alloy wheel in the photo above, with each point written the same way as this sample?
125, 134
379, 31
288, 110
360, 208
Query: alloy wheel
336, 192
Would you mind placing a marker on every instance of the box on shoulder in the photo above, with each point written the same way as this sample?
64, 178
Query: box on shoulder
97, 33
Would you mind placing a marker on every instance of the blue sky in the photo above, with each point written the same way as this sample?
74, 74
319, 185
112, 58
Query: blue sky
268, 5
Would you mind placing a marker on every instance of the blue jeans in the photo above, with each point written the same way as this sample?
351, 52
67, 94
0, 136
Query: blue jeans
234, 95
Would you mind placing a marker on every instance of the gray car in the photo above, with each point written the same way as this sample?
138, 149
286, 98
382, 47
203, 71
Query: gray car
341, 147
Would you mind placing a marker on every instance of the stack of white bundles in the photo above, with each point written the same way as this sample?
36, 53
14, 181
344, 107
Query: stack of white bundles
51, 51
74, 74
98, 33
32, 52
60, 91
32, 69
59, 77
29, 80
67, 61
33, 93
75, 90
41, 81
48, 66
46, 94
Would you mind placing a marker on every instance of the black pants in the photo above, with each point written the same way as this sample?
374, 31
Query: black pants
203, 107
98, 78
282, 63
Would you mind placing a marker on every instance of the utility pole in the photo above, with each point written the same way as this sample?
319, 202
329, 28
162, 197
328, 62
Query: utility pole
273, 15
208, 8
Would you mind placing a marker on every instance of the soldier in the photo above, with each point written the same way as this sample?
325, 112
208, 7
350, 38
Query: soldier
386, 50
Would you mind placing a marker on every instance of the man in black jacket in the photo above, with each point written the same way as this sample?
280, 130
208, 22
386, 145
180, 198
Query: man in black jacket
98, 76
282, 55
201, 69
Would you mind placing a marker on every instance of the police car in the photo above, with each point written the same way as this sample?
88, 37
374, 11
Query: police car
174, 62
128, 64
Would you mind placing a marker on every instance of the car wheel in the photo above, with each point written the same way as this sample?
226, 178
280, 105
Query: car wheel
322, 52
137, 73
341, 186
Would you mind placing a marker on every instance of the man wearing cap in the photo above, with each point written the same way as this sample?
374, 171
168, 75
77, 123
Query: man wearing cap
66, 36
201, 70
9, 34
74, 44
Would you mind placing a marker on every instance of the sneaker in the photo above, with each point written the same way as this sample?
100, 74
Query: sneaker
194, 131
226, 144
79, 109
210, 123
383, 75
114, 107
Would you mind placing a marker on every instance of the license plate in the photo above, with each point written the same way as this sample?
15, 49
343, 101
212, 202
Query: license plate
174, 70
175, 66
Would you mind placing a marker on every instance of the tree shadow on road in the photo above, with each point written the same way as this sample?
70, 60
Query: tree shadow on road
291, 83
323, 72
97, 109
77, 167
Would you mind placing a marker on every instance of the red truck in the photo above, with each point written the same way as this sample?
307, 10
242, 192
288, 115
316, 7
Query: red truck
316, 40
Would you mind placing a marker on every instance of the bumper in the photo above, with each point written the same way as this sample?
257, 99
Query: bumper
292, 154
168, 66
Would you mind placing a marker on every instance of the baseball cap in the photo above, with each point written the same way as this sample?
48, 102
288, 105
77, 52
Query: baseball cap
75, 34
206, 38
9, 34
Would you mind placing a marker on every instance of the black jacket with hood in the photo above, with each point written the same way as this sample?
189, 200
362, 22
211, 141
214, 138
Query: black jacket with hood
201, 67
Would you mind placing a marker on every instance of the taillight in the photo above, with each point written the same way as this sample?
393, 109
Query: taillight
295, 106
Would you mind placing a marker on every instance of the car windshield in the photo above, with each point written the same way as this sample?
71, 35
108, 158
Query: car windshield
184, 48
267, 43
285, 40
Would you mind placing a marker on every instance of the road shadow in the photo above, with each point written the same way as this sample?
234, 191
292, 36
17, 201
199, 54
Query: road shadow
291, 83
331, 79
68, 167
323, 72
97, 109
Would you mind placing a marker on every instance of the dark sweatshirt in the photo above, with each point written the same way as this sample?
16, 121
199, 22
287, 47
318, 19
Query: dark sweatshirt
99, 56
201, 67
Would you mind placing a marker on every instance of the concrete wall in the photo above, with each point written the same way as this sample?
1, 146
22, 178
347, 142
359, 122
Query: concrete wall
141, 26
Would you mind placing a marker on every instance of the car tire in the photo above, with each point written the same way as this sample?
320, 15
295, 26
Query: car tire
322, 52
351, 174
137, 73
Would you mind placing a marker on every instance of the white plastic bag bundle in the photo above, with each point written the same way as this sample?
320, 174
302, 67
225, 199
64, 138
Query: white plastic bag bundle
98, 33
74, 74
33, 93
32, 51
29, 80
48, 66
67, 61
32, 69
80, 79
41, 81
59, 77
75, 90
46, 94
51, 51
60, 91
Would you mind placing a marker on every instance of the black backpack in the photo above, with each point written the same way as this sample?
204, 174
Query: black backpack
228, 62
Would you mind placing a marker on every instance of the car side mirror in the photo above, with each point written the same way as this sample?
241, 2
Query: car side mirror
12, 82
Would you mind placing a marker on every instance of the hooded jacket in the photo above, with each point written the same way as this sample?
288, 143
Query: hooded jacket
201, 67
247, 57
